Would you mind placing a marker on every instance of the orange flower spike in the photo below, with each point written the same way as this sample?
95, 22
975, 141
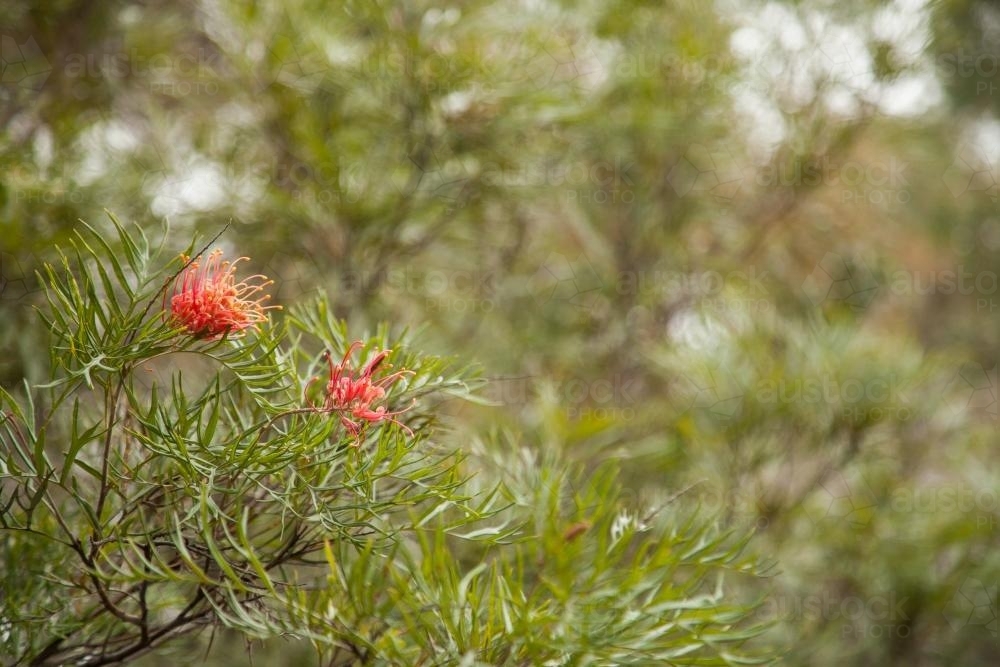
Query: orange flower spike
209, 303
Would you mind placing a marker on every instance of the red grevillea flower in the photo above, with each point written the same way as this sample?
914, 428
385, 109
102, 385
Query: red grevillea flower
355, 396
209, 303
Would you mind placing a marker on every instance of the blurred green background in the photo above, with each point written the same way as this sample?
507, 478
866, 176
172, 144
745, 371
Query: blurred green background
748, 248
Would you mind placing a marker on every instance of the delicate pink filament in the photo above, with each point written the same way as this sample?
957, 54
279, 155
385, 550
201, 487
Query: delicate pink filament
354, 396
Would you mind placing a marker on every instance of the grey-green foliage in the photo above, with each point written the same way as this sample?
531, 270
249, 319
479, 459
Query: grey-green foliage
134, 510
376, 148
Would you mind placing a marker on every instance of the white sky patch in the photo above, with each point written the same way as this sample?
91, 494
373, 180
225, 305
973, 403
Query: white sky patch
107, 144
200, 186
766, 118
696, 331
121, 137
793, 37
986, 135
989, 21
446, 18
236, 113
911, 96
341, 53
44, 146
906, 25
456, 103
746, 42
130, 16
792, 55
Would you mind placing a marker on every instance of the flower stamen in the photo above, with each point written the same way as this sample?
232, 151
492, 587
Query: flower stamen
209, 303
354, 396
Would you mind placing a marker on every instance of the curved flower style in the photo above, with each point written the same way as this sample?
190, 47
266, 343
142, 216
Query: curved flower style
209, 303
354, 396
